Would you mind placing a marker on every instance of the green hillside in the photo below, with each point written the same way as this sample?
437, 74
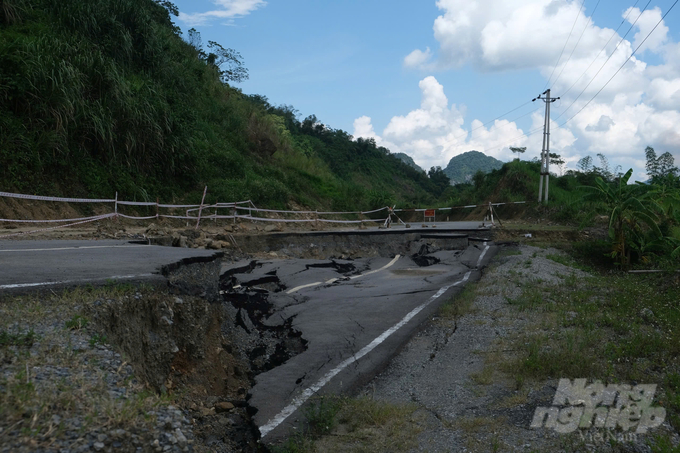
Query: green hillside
408, 160
105, 96
462, 167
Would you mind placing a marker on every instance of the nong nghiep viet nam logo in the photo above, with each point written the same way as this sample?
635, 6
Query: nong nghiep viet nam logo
577, 405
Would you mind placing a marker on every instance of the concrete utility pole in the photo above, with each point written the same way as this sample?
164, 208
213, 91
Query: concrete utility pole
545, 152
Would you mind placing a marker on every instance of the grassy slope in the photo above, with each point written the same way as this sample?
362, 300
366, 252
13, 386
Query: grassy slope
105, 96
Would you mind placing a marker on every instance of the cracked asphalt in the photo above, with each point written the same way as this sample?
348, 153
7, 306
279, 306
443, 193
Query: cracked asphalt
355, 316
29, 264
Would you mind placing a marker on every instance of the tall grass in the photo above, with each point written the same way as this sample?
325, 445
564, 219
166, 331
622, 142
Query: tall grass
105, 96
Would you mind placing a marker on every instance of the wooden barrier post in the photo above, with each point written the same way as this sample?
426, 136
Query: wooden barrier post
200, 209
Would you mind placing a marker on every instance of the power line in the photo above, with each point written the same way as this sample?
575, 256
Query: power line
603, 48
577, 42
565, 44
607, 60
624, 63
509, 122
489, 122
513, 140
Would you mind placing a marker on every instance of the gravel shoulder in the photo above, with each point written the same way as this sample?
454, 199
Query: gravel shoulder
456, 371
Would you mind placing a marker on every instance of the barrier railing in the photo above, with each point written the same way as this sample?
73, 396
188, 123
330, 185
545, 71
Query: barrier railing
245, 210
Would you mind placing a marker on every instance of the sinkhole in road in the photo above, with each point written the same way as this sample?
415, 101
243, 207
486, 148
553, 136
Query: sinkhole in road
271, 338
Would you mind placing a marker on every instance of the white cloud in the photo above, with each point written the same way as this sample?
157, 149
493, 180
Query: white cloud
364, 129
646, 23
603, 124
417, 58
640, 106
434, 133
226, 9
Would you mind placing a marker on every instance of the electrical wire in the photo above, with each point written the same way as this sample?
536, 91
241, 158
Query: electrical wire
624, 63
607, 60
489, 122
513, 140
577, 42
509, 121
565, 44
603, 49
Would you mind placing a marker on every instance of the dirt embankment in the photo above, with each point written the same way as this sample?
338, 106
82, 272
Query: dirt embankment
76, 369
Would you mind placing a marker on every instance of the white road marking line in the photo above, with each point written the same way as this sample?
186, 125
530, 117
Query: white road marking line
67, 282
479, 261
333, 280
305, 395
297, 288
75, 248
394, 260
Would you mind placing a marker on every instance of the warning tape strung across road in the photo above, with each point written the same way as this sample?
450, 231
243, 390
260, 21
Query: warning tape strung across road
131, 217
459, 207
197, 207
66, 200
101, 217
235, 206
264, 219
309, 212
54, 220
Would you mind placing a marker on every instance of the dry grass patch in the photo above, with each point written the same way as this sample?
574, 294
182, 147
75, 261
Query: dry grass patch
357, 425
461, 304
56, 373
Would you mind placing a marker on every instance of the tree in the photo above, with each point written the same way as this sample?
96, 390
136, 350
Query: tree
666, 165
519, 151
170, 7
604, 167
228, 62
652, 165
659, 167
585, 164
196, 42
439, 178
556, 159
478, 179
626, 215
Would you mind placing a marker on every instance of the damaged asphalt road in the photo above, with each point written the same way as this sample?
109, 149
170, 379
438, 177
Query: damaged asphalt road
327, 326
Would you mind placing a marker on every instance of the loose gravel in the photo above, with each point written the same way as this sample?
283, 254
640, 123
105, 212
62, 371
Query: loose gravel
451, 370
67, 390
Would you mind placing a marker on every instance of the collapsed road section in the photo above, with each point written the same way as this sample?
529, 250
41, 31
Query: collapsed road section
314, 326
251, 341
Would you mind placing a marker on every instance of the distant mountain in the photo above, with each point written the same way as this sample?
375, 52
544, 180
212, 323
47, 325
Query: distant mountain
405, 158
462, 167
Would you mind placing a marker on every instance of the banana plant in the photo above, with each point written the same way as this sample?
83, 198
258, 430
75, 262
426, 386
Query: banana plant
628, 213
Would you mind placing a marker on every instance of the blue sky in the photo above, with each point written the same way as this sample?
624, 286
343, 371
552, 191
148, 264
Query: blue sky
419, 76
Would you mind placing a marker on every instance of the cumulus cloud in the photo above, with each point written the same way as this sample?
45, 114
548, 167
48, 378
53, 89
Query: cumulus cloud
646, 22
639, 106
364, 129
603, 125
434, 133
417, 58
226, 10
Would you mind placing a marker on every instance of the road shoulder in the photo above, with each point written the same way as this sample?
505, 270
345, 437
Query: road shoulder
455, 376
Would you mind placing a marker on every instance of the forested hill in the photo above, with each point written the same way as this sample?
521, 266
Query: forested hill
105, 96
408, 160
462, 167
